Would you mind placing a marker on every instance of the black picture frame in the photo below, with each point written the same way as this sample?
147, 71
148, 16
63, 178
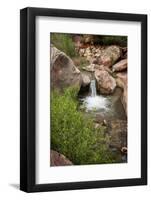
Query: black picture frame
28, 98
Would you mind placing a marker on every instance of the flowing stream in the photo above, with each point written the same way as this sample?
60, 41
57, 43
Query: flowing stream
108, 106
93, 88
95, 102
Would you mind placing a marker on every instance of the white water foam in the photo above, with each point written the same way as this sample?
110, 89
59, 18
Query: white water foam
96, 103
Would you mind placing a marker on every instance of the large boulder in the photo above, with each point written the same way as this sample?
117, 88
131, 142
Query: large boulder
57, 159
120, 66
105, 82
121, 81
63, 71
109, 56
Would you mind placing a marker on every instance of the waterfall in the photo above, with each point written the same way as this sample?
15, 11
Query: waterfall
93, 88
95, 102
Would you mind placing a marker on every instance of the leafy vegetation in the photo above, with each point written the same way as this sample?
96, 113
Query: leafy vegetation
63, 42
75, 136
114, 40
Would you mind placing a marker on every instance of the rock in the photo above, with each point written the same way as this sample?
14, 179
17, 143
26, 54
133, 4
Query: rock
99, 125
88, 39
77, 41
124, 150
89, 59
90, 68
124, 99
99, 119
120, 66
104, 122
109, 56
121, 81
94, 60
93, 67
99, 67
85, 80
124, 52
118, 134
58, 159
96, 125
81, 52
97, 55
105, 82
63, 71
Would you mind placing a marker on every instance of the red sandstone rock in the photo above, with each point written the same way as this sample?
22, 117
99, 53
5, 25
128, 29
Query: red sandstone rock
57, 159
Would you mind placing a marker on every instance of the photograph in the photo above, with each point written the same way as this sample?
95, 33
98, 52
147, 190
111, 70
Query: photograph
88, 99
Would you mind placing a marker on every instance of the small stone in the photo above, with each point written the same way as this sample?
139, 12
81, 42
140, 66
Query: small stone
124, 150
104, 123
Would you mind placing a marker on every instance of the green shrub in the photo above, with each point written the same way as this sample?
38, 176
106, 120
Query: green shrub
63, 42
114, 40
73, 135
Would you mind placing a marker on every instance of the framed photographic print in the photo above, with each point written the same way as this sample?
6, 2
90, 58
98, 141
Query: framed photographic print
83, 99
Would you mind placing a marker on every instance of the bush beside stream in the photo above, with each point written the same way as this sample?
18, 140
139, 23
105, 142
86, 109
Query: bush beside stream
75, 136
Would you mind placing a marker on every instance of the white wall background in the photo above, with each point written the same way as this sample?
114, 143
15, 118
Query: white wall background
9, 99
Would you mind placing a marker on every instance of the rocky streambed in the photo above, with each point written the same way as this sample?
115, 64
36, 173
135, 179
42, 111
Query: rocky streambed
107, 111
108, 67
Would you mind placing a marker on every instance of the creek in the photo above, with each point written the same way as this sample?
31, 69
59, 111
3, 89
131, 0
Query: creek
107, 108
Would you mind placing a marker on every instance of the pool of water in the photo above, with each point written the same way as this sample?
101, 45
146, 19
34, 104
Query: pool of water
96, 103
108, 106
